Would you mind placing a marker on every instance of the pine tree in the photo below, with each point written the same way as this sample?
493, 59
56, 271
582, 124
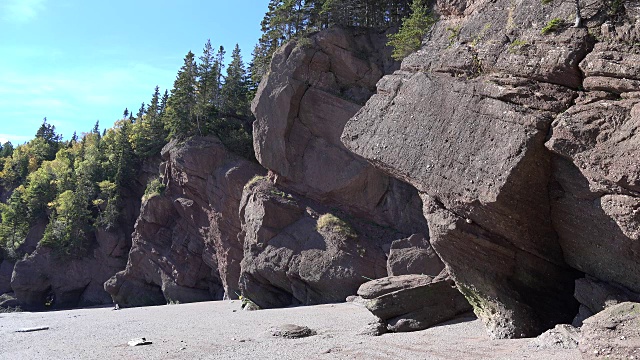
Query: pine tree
220, 67
179, 114
234, 90
414, 27
207, 85
163, 103
153, 108
141, 112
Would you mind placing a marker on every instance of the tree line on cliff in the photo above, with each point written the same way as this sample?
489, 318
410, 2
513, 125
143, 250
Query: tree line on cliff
74, 187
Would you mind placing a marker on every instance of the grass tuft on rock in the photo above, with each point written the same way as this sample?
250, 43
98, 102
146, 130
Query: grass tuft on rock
332, 223
154, 188
552, 26
254, 180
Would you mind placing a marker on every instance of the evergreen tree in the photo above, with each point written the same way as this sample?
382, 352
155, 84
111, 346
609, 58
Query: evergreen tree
220, 67
141, 112
7, 150
153, 109
14, 225
234, 90
163, 103
207, 86
414, 27
179, 114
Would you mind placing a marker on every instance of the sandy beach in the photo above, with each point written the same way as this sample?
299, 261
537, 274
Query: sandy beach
221, 330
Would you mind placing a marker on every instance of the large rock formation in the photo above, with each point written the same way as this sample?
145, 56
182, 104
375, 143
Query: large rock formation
47, 279
465, 121
298, 252
44, 276
185, 245
312, 89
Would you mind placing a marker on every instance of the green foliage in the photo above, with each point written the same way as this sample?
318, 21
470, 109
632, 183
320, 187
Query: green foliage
14, 224
234, 90
254, 180
546, 2
615, 6
332, 223
454, 33
414, 27
295, 19
552, 26
155, 187
67, 231
6, 149
517, 45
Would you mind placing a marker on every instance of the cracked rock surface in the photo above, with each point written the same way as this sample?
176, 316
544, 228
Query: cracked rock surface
523, 147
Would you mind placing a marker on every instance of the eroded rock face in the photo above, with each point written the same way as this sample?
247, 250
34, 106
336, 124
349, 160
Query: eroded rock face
482, 166
595, 203
186, 245
612, 334
465, 121
6, 270
45, 277
413, 302
301, 107
413, 255
289, 259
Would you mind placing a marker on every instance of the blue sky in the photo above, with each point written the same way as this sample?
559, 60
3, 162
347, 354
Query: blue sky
78, 61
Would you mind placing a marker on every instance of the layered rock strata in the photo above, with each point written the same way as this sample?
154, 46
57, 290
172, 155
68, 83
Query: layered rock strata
185, 245
525, 154
413, 302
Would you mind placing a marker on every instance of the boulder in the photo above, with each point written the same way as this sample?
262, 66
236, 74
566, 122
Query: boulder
185, 245
613, 333
562, 336
298, 252
292, 331
413, 302
413, 255
481, 165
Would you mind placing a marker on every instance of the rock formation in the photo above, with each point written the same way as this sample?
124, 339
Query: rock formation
612, 334
413, 302
185, 245
46, 279
313, 88
311, 91
298, 252
514, 142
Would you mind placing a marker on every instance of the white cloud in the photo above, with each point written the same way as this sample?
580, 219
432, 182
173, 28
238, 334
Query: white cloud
22, 11
15, 139
73, 99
